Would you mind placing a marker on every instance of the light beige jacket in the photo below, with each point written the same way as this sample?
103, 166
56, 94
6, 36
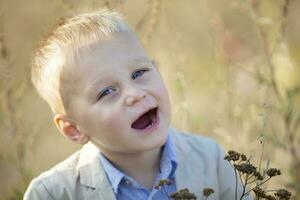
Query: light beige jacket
201, 164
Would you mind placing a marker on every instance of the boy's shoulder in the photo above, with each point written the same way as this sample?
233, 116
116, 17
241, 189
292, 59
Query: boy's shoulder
64, 167
202, 164
75, 177
50, 181
198, 144
192, 137
81, 172
184, 143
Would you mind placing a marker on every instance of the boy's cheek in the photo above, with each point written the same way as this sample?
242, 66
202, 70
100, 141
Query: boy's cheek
163, 93
166, 101
111, 119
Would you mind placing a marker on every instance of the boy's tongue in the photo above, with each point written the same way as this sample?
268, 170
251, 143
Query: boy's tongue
142, 122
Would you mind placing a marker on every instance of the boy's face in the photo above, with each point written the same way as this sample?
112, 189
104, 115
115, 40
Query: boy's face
121, 102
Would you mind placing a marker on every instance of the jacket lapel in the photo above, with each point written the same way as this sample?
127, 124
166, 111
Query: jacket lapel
92, 175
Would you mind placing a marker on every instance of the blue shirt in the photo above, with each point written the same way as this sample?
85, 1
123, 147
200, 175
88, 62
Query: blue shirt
126, 188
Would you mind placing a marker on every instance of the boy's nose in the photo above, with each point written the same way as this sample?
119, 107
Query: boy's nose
134, 96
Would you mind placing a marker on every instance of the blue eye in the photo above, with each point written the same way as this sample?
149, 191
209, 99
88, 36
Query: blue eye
105, 92
138, 73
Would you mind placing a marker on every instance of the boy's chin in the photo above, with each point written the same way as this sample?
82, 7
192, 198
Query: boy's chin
161, 139
154, 144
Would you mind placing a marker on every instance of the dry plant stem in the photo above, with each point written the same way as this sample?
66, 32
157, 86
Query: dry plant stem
120, 6
183, 97
244, 184
248, 172
12, 120
240, 174
259, 184
251, 176
262, 154
283, 25
262, 142
149, 21
287, 115
268, 58
244, 187
152, 20
107, 4
236, 181
67, 5
247, 179
270, 65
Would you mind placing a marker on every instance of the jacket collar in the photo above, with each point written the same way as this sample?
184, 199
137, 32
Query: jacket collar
91, 173
189, 173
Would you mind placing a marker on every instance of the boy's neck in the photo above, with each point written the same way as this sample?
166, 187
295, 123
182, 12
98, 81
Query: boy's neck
142, 167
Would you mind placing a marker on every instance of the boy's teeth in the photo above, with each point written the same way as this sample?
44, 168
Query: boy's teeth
148, 118
150, 125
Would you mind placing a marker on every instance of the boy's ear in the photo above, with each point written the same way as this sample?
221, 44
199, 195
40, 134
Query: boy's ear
69, 129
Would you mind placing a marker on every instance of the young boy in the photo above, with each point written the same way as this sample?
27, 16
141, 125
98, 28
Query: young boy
108, 95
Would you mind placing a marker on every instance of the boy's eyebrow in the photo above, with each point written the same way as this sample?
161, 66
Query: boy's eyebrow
95, 84
139, 60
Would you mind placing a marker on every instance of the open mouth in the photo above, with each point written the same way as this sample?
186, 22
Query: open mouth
147, 120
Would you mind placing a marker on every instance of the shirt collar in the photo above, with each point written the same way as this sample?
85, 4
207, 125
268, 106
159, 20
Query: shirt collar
115, 176
168, 157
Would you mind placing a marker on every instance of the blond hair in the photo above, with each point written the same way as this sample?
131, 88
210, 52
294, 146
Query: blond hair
58, 49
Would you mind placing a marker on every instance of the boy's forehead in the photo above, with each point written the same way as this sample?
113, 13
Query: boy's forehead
101, 74
106, 72
113, 48
122, 50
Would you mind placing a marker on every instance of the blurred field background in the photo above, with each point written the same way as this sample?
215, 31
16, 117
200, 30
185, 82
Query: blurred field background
231, 66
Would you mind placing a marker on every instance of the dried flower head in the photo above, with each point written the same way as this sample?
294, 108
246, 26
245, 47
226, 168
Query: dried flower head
163, 182
270, 197
246, 168
250, 175
243, 157
232, 156
283, 194
258, 175
207, 192
183, 194
273, 172
260, 193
